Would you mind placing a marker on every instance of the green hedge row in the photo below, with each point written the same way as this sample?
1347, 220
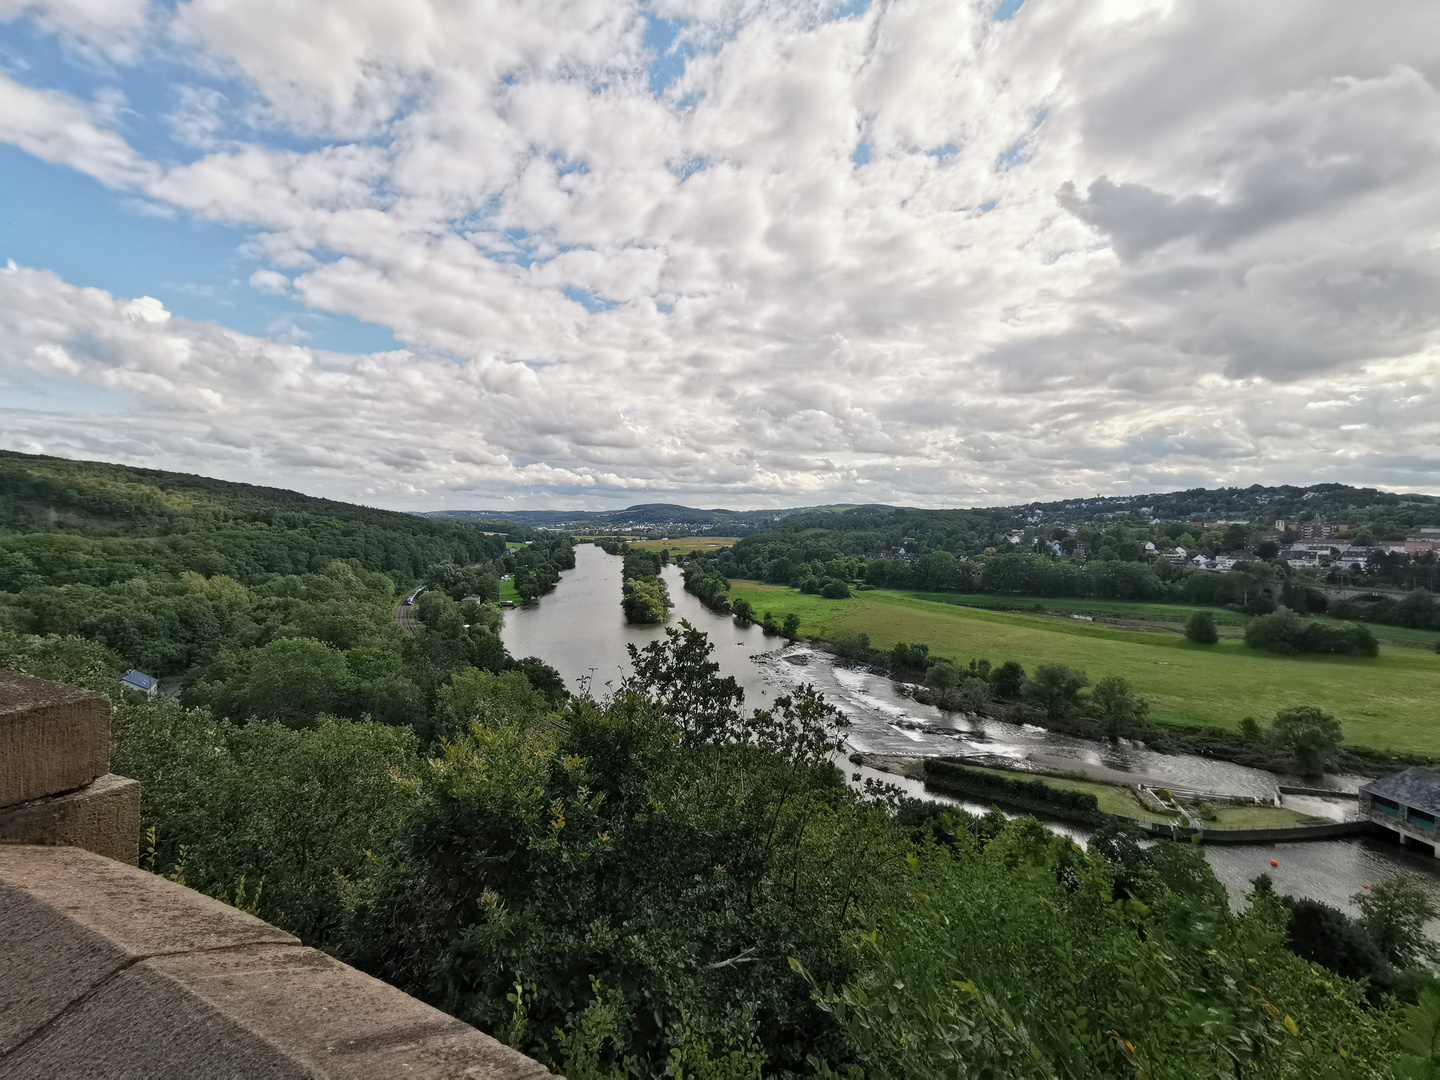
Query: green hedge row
952, 778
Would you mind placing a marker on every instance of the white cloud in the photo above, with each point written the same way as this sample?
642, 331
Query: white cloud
56, 127
1098, 245
269, 281
112, 29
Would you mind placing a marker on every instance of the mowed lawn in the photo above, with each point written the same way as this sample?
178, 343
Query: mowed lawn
1389, 702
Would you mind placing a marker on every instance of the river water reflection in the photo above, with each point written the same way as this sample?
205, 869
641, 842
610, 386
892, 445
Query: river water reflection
580, 630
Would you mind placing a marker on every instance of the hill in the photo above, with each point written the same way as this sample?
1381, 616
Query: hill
642, 518
1387, 514
69, 522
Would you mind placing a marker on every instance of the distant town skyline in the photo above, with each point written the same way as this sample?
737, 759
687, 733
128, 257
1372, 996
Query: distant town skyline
724, 254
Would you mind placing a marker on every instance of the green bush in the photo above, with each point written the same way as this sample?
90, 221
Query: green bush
943, 675
1054, 688
1310, 734
1286, 632
1007, 679
1200, 628
1117, 706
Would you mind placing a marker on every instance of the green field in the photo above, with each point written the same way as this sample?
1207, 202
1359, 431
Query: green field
507, 591
1389, 702
687, 544
1140, 615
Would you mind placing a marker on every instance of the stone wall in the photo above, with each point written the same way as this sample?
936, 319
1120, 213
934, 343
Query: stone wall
55, 781
109, 971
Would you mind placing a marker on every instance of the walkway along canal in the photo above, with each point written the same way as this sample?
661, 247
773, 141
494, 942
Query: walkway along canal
580, 630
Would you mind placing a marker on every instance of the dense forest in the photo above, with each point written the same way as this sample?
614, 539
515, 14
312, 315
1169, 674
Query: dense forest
254, 601
657, 883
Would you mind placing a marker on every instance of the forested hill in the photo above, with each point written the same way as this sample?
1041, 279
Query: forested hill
1384, 513
1256, 504
644, 518
254, 601
133, 519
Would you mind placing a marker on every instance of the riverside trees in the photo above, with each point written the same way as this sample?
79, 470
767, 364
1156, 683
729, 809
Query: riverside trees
643, 594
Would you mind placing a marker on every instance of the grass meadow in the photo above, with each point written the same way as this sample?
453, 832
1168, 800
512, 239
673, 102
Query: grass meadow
1149, 616
1389, 702
686, 544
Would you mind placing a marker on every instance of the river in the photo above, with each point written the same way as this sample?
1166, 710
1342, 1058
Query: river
580, 630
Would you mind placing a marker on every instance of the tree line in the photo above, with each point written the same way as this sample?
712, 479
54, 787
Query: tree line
662, 882
644, 596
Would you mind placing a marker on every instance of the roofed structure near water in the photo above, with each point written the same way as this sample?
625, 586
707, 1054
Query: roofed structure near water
1407, 803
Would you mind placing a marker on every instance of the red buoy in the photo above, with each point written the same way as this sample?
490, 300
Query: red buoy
1274, 863
1367, 885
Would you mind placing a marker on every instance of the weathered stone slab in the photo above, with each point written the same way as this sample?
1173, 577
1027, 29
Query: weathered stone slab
103, 817
53, 738
72, 919
110, 971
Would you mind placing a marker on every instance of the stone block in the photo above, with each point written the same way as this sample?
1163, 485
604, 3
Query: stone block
103, 817
53, 738
111, 971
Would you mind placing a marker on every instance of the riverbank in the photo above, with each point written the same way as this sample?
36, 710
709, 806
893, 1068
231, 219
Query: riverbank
580, 630
1198, 694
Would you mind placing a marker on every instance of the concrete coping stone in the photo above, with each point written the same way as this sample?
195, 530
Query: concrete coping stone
112, 971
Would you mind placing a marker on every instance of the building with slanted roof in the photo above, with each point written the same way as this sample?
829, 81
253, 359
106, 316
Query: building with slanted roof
140, 682
1407, 803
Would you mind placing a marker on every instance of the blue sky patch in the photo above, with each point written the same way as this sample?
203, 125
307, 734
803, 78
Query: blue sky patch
54, 218
848, 9
565, 168
944, 153
591, 302
861, 156
669, 58
1007, 9
691, 167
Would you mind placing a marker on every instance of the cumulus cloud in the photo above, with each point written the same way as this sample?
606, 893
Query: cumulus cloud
907, 254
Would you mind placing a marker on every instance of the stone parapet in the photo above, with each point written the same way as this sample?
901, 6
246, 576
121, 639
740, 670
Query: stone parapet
110, 971
55, 781
103, 817
53, 738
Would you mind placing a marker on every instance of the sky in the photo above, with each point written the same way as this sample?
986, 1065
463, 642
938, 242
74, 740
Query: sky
431, 254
